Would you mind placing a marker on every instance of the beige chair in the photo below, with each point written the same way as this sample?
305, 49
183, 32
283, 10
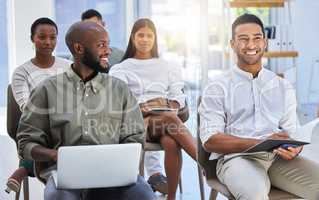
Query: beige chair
209, 168
13, 117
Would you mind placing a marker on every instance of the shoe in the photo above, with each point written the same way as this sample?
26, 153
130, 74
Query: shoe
14, 181
158, 183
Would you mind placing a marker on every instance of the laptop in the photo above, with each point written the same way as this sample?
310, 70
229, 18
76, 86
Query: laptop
97, 166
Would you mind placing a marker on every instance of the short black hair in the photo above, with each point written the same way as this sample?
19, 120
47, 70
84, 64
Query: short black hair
246, 19
41, 21
91, 13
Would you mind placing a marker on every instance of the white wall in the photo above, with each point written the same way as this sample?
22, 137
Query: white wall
23, 13
306, 25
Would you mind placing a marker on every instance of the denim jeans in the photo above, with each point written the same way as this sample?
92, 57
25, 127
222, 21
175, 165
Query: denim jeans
138, 191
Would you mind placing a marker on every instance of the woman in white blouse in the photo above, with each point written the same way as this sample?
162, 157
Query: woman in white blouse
157, 83
27, 76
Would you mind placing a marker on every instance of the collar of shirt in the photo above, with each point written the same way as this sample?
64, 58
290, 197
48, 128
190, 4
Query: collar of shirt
95, 83
262, 79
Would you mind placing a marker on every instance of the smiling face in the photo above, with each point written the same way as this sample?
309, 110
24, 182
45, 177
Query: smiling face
249, 45
96, 51
44, 39
143, 41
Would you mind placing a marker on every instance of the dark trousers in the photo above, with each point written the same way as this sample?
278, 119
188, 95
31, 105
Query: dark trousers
138, 191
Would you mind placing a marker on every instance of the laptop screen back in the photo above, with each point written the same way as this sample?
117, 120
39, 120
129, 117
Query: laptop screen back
98, 166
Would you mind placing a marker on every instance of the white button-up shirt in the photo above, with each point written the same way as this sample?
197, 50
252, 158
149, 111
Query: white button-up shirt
235, 103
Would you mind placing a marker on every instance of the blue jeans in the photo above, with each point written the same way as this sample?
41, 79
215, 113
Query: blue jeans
138, 191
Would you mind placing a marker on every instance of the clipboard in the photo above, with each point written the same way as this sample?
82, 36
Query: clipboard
270, 144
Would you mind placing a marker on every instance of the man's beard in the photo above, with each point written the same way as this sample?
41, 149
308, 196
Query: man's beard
88, 60
248, 61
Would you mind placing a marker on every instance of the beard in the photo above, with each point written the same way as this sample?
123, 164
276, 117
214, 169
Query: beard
88, 60
249, 60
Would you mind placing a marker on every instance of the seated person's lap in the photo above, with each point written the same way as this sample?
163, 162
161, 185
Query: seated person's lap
234, 171
157, 125
139, 191
299, 176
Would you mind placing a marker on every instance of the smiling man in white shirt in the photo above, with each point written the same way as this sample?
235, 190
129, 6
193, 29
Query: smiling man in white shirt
244, 106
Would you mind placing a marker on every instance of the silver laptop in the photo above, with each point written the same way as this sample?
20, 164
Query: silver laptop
97, 166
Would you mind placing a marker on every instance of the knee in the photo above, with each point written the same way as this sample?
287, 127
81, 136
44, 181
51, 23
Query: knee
51, 194
145, 194
142, 191
254, 192
313, 190
50, 191
314, 194
168, 143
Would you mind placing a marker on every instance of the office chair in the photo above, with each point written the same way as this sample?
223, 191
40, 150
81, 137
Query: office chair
13, 117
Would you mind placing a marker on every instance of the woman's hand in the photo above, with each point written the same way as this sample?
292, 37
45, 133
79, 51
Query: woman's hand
173, 104
145, 110
146, 107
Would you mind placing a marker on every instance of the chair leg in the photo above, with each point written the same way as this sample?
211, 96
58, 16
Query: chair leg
17, 197
201, 183
180, 185
213, 194
142, 164
26, 188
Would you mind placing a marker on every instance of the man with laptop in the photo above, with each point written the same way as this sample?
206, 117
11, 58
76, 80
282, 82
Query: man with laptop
243, 107
83, 107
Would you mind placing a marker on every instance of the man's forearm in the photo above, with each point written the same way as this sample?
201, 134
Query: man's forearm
40, 153
225, 144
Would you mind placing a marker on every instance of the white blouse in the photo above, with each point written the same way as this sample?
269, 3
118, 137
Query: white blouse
151, 78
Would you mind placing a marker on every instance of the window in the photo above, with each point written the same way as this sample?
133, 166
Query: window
219, 28
3, 53
177, 24
262, 13
113, 12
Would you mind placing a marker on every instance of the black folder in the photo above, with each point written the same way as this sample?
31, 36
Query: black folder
270, 144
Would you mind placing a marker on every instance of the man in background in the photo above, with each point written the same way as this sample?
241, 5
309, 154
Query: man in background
94, 16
